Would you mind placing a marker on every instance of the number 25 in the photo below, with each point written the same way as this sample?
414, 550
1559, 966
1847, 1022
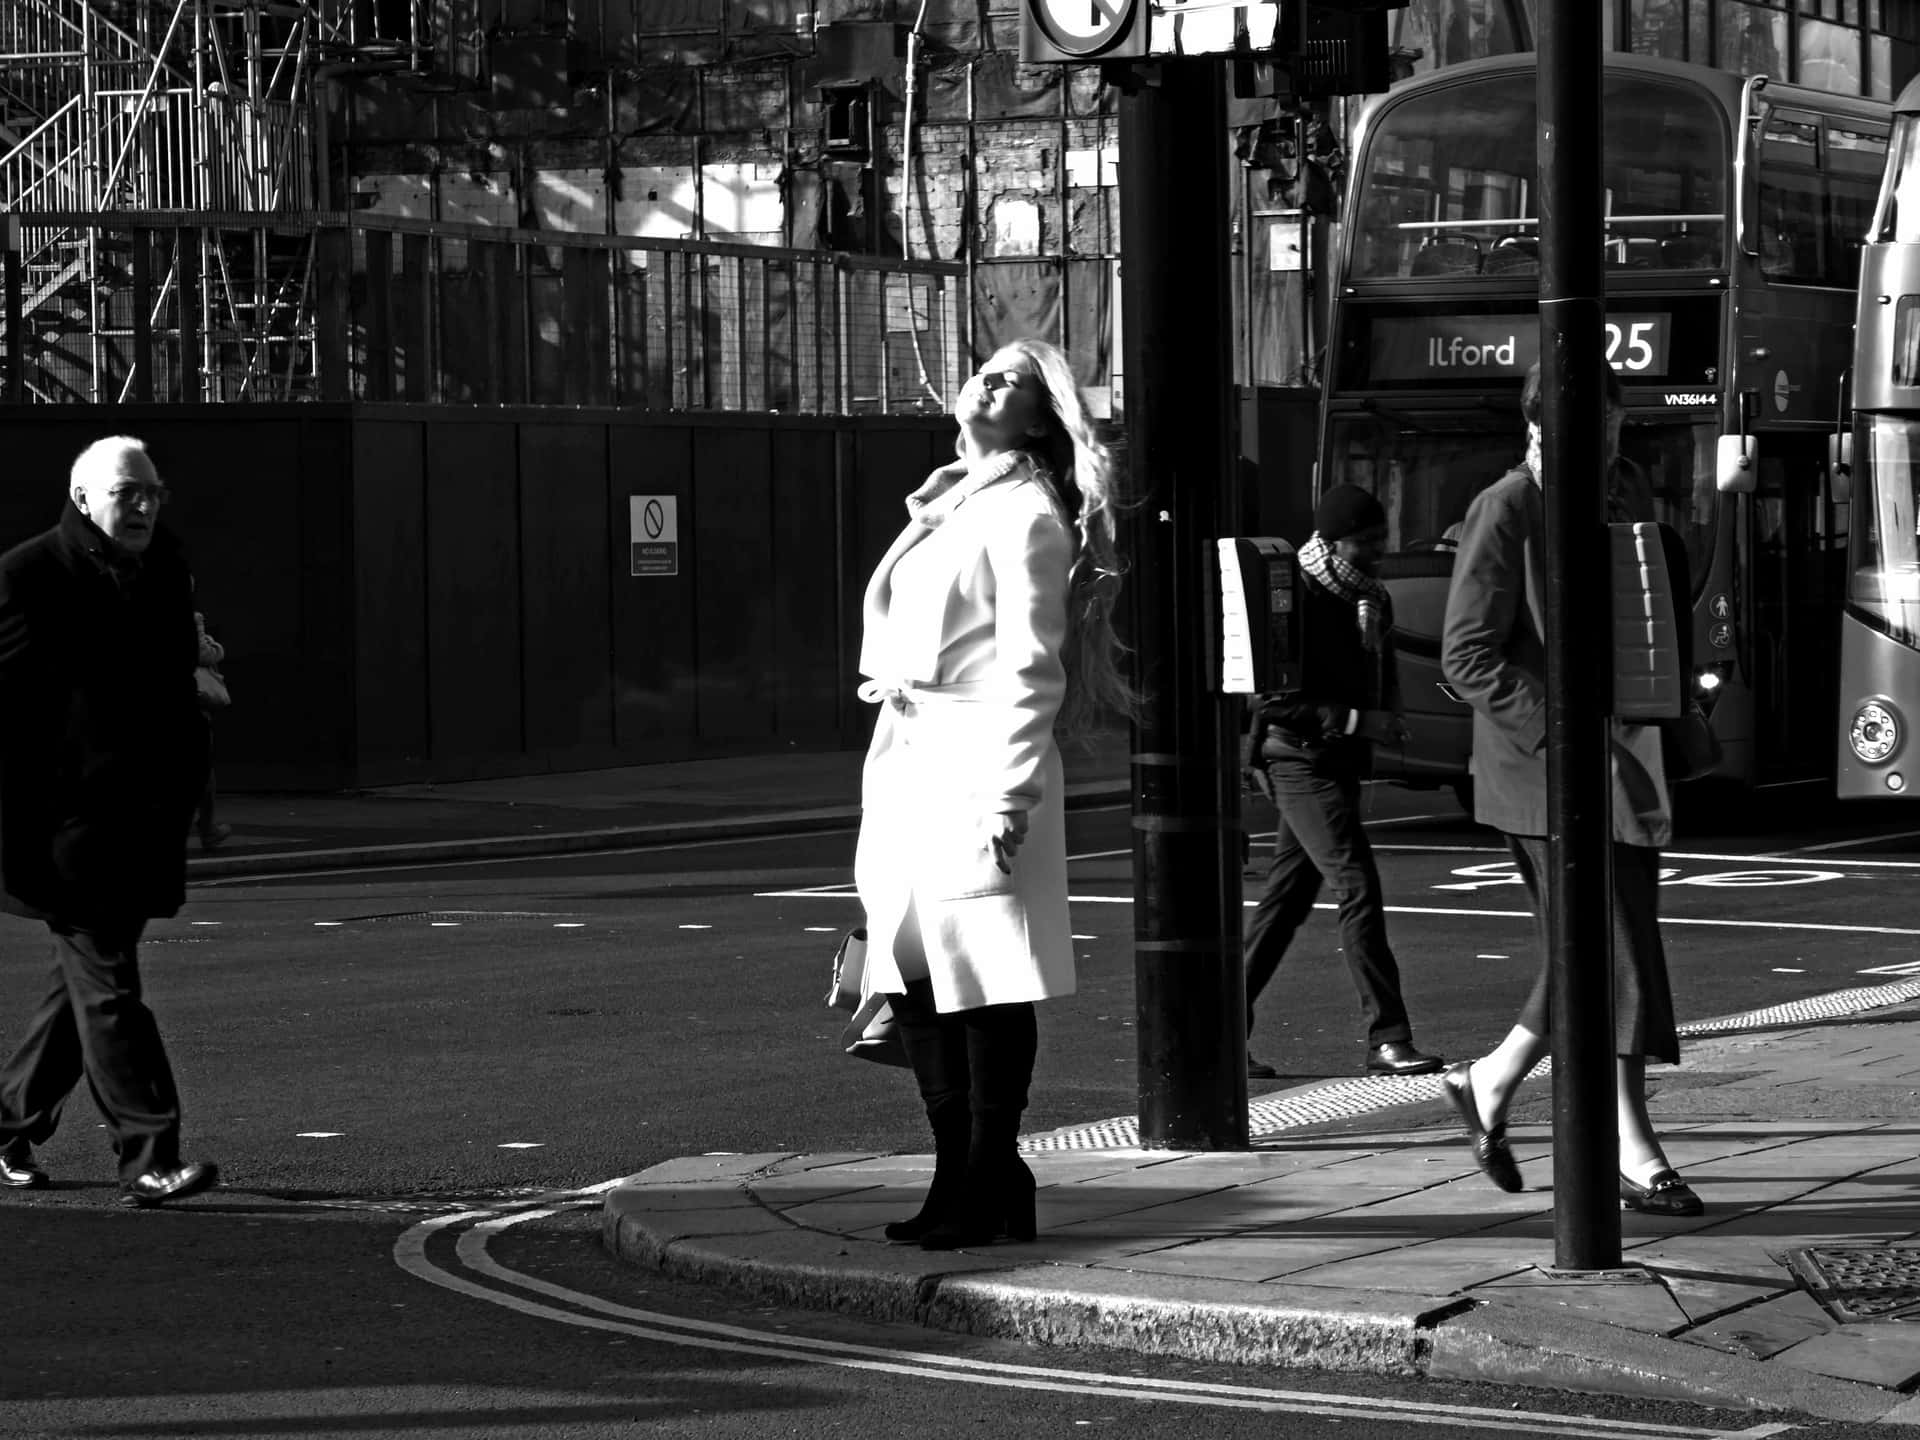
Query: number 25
1639, 346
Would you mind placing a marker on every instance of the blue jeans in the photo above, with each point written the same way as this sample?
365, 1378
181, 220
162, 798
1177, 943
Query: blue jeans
1318, 839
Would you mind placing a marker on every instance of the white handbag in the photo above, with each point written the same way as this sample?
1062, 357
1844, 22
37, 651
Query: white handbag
872, 1033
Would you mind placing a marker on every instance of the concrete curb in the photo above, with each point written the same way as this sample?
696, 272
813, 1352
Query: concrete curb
697, 1219
569, 842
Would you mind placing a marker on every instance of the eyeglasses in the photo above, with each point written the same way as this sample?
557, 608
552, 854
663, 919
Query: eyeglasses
140, 494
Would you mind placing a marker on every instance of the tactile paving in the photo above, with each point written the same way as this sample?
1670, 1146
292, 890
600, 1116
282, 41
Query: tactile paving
1347, 1099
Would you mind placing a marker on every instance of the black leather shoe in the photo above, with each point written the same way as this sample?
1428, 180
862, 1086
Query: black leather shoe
1665, 1193
1260, 1070
19, 1170
157, 1186
1490, 1150
1398, 1057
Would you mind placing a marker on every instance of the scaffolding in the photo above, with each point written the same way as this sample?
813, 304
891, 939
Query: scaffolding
377, 308
137, 108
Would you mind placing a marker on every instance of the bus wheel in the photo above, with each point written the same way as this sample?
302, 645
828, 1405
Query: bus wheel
1463, 792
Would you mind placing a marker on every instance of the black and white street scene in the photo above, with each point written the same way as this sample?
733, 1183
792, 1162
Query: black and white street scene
959, 717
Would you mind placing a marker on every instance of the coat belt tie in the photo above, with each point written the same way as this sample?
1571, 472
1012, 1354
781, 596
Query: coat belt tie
903, 694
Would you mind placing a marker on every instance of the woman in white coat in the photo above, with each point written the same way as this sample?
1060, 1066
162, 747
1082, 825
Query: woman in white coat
988, 625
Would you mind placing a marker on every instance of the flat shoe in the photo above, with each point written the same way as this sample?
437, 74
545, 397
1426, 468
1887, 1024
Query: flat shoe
1260, 1070
1665, 1193
1398, 1057
20, 1171
1490, 1150
157, 1186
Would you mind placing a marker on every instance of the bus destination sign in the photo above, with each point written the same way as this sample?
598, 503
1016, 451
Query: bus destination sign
1470, 347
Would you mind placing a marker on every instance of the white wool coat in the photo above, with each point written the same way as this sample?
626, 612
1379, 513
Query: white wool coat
965, 620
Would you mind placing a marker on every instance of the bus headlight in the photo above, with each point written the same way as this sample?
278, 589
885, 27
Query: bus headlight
1875, 732
1708, 681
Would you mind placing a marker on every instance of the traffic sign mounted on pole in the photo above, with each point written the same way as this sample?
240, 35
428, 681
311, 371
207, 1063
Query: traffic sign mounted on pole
1326, 47
1080, 30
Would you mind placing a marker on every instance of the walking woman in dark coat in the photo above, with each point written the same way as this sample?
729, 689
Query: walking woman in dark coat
1494, 651
102, 757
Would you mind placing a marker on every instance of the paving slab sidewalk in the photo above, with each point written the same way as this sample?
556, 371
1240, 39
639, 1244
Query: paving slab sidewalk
1380, 1248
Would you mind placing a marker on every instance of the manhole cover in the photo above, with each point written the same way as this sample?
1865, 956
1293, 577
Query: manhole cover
1862, 1282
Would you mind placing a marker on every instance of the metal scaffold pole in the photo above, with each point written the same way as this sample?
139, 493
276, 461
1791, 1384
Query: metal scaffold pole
1578, 888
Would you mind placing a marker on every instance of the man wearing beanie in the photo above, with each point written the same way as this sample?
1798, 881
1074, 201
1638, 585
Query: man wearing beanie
1308, 751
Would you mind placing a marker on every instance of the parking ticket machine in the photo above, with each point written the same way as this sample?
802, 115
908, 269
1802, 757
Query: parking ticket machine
1259, 616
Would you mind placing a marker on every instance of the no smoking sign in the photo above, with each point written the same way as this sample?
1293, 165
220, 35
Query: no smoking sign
653, 534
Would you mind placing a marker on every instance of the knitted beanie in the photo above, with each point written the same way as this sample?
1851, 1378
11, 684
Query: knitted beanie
1347, 510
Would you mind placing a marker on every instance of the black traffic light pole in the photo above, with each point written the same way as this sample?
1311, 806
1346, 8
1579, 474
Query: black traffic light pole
1586, 1210
1189, 996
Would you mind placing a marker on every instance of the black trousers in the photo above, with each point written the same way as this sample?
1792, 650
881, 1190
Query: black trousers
1318, 838
94, 1025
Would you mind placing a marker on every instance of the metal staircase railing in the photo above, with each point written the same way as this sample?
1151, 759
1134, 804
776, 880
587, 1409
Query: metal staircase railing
190, 106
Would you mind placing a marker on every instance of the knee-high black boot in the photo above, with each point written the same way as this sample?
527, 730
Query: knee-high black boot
997, 1196
936, 1045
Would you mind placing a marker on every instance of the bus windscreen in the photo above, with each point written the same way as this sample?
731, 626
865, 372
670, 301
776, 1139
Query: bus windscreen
1426, 467
1883, 581
1450, 181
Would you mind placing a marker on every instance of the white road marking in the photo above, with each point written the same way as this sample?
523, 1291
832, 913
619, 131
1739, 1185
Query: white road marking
696, 927
522, 1145
1791, 860
846, 893
410, 1254
325, 924
203, 922
444, 924
319, 1134
569, 924
1863, 840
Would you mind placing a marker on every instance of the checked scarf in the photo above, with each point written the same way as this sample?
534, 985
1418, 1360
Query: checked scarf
1366, 594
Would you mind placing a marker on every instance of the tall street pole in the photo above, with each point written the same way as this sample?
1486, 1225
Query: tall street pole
1586, 1211
1176, 294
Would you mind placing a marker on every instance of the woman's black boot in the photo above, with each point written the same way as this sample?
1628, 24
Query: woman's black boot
936, 1045
997, 1197
952, 1123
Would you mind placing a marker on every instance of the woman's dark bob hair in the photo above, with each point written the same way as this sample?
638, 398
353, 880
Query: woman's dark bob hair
1530, 393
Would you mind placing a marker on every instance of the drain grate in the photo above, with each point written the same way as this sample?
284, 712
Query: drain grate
1861, 1282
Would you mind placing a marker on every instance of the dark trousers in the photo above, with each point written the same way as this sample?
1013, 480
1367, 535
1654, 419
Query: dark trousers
1318, 838
93, 1024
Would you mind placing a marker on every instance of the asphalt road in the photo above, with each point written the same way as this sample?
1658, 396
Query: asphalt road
372, 1056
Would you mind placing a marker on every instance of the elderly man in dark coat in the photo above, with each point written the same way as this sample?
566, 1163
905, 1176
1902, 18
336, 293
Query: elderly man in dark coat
102, 757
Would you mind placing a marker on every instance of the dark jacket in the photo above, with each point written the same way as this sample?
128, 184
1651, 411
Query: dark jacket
1339, 677
103, 750
1493, 648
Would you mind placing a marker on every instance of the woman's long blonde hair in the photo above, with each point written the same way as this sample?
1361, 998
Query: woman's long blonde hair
1078, 469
